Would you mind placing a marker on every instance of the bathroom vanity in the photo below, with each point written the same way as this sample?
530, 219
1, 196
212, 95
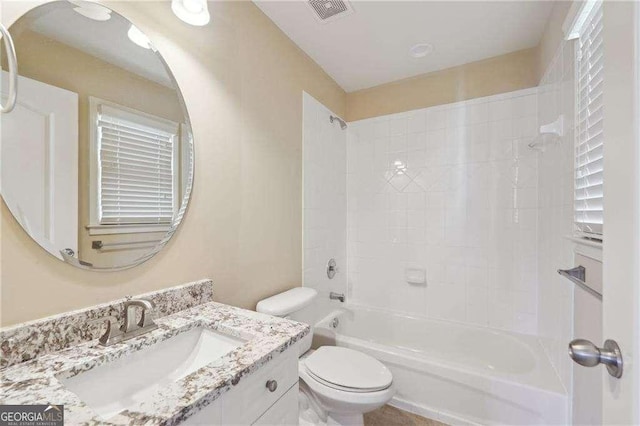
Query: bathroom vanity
208, 363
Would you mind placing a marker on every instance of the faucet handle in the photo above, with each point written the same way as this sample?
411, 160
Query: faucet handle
148, 318
113, 334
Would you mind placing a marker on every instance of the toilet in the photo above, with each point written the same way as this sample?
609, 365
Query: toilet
337, 385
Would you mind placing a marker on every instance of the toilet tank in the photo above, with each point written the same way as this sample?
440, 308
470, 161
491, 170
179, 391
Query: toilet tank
287, 305
288, 302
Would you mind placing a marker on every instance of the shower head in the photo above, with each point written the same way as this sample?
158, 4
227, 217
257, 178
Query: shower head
343, 125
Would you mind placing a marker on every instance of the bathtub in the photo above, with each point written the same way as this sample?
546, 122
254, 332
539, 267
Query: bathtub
452, 372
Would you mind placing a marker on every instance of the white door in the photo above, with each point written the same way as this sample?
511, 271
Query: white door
621, 262
39, 163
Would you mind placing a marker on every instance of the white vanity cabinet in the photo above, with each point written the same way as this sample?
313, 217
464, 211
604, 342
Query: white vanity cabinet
283, 412
252, 401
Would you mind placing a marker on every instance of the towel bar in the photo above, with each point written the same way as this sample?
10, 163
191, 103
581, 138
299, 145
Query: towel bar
578, 276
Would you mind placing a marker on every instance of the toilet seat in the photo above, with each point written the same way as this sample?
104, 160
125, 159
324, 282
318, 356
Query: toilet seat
342, 401
347, 370
342, 388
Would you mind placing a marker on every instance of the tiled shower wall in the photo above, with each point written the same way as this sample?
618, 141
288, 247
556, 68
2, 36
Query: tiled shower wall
451, 192
325, 204
555, 195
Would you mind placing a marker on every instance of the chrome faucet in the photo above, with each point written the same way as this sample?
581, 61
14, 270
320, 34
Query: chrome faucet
146, 322
131, 328
336, 296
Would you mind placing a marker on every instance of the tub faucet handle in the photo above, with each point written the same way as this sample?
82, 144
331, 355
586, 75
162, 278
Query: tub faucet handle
332, 268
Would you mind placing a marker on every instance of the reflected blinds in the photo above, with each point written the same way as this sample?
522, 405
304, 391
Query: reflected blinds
136, 156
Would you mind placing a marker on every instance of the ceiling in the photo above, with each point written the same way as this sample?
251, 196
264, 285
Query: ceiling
371, 46
106, 40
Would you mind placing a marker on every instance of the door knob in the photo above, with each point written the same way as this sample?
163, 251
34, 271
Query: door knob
587, 354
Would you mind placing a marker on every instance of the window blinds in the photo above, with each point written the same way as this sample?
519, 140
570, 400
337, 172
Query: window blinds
589, 149
136, 160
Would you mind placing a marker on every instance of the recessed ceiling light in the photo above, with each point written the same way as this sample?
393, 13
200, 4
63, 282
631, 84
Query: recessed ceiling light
138, 37
421, 50
194, 12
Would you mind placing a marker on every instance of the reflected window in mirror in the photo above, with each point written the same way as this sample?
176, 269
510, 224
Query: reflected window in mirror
97, 156
135, 170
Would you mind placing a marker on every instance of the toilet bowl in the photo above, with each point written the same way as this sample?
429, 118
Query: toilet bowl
337, 385
343, 384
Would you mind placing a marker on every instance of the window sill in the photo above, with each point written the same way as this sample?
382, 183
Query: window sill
125, 229
586, 247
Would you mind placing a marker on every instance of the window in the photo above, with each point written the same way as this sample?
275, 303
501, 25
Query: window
589, 137
134, 165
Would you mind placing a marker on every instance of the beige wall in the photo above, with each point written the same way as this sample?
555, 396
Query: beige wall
552, 36
242, 79
87, 76
491, 76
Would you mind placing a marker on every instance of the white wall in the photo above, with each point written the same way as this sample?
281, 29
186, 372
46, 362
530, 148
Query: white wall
587, 383
451, 190
325, 204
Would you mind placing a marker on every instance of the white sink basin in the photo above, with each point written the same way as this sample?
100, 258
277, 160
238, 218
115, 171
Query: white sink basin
134, 378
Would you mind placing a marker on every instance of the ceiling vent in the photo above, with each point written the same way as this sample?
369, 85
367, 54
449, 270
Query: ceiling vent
329, 10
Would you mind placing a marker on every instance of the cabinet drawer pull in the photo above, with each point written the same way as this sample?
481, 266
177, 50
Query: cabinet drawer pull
272, 385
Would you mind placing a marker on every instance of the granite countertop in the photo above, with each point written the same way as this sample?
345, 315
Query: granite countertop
37, 381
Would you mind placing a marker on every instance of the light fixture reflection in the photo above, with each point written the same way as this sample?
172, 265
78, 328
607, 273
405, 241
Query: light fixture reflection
194, 12
138, 37
91, 10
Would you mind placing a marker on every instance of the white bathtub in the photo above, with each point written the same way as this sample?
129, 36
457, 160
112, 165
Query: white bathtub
452, 372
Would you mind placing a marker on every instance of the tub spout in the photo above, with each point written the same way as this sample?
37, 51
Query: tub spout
336, 296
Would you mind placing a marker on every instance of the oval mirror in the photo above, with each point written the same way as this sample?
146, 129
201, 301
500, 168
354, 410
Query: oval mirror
97, 156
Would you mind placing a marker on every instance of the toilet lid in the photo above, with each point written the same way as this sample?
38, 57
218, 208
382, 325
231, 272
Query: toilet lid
349, 369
